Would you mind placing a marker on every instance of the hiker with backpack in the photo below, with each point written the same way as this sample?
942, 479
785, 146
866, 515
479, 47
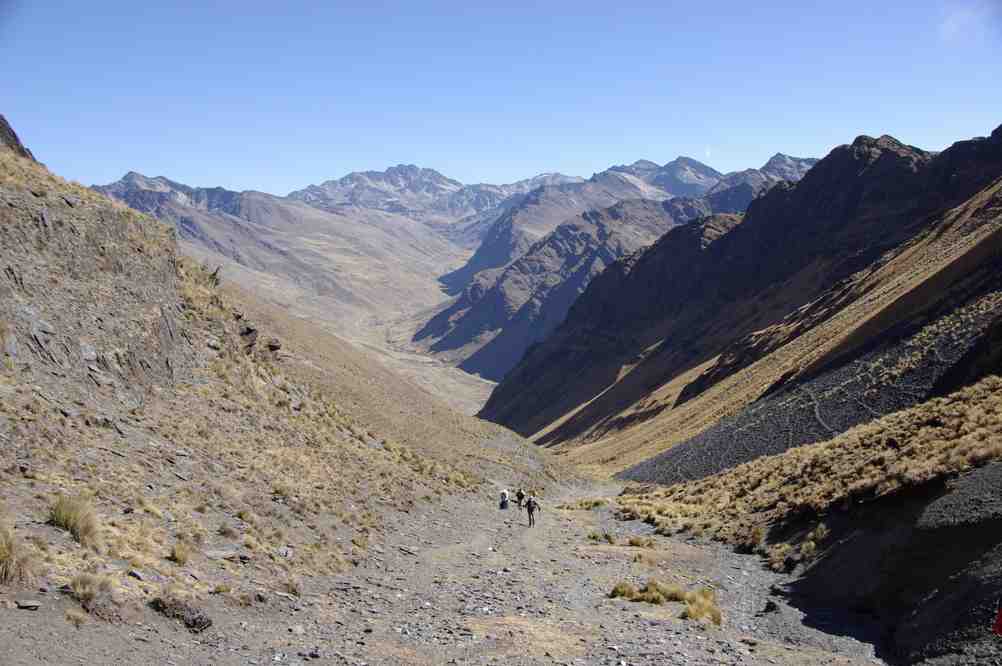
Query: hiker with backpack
520, 497
531, 507
504, 500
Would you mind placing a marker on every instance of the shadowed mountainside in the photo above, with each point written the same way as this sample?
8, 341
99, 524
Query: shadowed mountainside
876, 240
505, 310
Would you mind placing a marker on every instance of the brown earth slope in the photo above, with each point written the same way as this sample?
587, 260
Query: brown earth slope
159, 439
876, 237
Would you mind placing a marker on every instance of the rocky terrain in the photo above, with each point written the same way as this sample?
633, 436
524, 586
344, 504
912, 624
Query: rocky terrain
461, 582
817, 384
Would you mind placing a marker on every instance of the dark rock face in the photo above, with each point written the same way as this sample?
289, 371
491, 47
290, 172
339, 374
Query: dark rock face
8, 138
852, 207
500, 314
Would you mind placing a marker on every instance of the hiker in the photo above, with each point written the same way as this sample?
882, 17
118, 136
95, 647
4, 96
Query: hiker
520, 497
504, 499
531, 507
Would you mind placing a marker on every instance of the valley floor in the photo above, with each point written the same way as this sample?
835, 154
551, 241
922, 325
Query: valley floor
462, 582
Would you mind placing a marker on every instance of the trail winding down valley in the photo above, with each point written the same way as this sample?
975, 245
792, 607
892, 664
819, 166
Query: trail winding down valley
462, 582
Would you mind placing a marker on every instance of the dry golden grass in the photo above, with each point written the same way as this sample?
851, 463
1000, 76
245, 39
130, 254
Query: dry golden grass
702, 605
181, 553
941, 437
699, 604
584, 505
308, 447
602, 536
641, 542
77, 516
87, 588
76, 617
16, 563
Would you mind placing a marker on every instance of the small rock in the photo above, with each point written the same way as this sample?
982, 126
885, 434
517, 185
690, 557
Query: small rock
28, 604
135, 573
261, 597
297, 630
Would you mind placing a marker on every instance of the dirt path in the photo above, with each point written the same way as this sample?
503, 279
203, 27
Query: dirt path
465, 583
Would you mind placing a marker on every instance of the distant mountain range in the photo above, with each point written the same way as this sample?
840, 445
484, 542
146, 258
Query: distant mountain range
517, 288
422, 194
372, 244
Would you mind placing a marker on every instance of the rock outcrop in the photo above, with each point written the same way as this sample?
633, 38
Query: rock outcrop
9, 138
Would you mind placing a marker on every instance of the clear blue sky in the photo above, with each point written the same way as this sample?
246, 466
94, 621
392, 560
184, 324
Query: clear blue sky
255, 95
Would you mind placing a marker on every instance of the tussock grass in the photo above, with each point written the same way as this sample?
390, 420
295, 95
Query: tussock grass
16, 563
87, 588
939, 438
641, 542
76, 617
602, 536
584, 505
181, 552
700, 604
77, 516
